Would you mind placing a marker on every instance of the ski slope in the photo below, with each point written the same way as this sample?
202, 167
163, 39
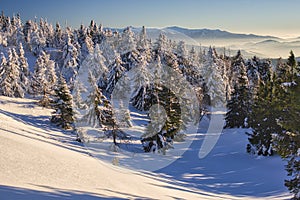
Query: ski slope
39, 161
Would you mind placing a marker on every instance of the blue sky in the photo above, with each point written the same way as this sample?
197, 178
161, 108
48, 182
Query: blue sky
266, 17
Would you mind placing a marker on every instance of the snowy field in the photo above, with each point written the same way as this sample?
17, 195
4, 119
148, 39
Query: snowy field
39, 161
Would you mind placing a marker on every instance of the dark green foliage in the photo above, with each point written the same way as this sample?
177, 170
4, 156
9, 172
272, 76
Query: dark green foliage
263, 119
64, 114
287, 143
166, 98
293, 64
238, 105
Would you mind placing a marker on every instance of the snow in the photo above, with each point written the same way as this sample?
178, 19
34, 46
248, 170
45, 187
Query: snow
39, 161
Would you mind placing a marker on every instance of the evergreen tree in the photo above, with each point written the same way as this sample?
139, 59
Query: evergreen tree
10, 80
287, 143
94, 116
293, 65
24, 71
141, 84
63, 115
87, 46
253, 75
70, 61
77, 98
238, 105
143, 43
212, 74
58, 36
264, 116
128, 42
98, 67
115, 74
5, 86
107, 50
44, 79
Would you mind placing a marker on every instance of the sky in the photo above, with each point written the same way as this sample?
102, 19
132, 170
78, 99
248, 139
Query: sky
264, 17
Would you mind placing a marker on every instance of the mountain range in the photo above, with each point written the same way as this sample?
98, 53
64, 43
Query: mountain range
266, 46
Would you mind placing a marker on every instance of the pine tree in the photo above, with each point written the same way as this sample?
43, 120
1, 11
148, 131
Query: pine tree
169, 115
115, 74
87, 46
58, 36
24, 71
141, 84
287, 143
253, 74
5, 86
143, 43
63, 105
94, 116
293, 65
212, 74
10, 81
107, 50
70, 61
77, 97
264, 116
96, 63
44, 79
238, 106
283, 71
128, 42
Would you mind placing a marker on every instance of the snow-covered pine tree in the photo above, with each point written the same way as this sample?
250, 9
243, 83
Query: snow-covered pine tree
107, 50
94, 115
78, 89
38, 79
212, 74
115, 74
166, 95
161, 45
51, 81
5, 86
128, 42
182, 53
63, 115
37, 40
98, 67
253, 75
87, 46
141, 79
24, 71
237, 64
70, 61
44, 79
15, 31
26, 31
143, 43
13, 71
58, 36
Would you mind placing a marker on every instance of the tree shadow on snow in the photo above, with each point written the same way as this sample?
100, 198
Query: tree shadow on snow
16, 193
227, 169
42, 122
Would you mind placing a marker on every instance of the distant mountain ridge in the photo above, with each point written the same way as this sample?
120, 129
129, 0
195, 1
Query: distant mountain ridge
260, 45
204, 33
216, 33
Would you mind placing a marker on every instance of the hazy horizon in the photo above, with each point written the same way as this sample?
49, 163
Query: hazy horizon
276, 18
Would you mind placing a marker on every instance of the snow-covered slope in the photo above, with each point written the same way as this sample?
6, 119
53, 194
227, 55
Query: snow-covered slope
39, 161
